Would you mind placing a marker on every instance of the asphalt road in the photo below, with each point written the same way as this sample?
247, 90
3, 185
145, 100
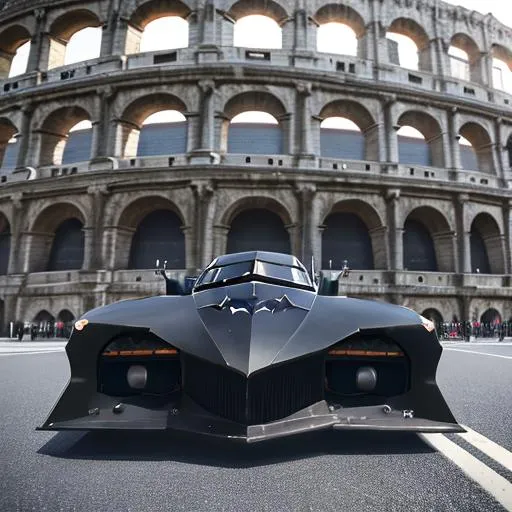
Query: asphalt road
349, 471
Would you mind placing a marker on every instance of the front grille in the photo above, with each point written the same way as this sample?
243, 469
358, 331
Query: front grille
266, 396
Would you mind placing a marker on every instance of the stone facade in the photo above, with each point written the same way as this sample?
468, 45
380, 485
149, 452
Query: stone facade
210, 82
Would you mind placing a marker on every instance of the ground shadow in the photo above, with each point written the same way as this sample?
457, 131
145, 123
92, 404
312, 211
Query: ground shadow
186, 448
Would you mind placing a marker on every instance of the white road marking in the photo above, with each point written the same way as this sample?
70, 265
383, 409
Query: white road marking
497, 486
490, 448
475, 352
23, 353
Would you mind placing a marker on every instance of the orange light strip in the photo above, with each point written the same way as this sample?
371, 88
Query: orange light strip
363, 353
158, 352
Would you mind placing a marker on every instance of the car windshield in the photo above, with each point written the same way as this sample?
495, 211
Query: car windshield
254, 268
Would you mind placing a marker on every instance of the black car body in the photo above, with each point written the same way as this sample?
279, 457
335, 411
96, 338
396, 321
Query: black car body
252, 353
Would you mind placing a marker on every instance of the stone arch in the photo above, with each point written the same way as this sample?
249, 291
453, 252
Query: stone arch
10, 40
159, 235
5, 244
467, 44
259, 138
412, 29
482, 146
7, 131
344, 15
256, 202
487, 247
63, 28
358, 114
269, 8
427, 152
434, 315
43, 316
428, 241
146, 13
43, 233
55, 132
133, 116
131, 218
365, 239
341, 13
490, 316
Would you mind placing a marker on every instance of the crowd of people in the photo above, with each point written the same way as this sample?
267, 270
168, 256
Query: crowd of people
475, 329
47, 329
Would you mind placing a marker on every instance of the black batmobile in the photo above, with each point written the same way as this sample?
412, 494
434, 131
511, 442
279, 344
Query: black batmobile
256, 350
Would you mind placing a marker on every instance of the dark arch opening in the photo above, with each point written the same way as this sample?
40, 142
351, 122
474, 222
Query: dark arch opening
67, 252
43, 316
64, 324
479, 257
5, 246
258, 229
434, 315
419, 251
490, 317
158, 236
509, 151
346, 237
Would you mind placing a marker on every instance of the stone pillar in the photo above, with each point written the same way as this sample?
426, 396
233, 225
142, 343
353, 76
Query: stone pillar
18, 209
98, 195
507, 221
100, 145
391, 129
35, 249
89, 247
308, 207
24, 137
486, 69
209, 24
454, 137
220, 234
206, 136
190, 263
496, 249
380, 247
288, 128
396, 231
203, 223
116, 249
306, 156
108, 31
445, 247
36, 44
463, 234
295, 238
443, 67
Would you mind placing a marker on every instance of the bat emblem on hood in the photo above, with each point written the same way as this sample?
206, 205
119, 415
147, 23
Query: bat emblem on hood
255, 305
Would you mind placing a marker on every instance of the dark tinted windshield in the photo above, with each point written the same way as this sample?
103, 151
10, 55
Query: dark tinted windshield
254, 268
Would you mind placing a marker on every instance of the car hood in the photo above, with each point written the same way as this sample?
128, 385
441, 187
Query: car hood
251, 326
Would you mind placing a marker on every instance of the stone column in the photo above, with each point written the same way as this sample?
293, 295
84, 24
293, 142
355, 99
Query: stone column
306, 156
220, 238
36, 44
445, 246
24, 138
391, 129
308, 207
295, 237
98, 195
507, 221
396, 231
18, 209
203, 222
89, 247
108, 31
100, 145
454, 137
206, 132
463, 234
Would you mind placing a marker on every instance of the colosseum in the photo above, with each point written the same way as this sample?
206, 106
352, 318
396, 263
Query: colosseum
424, 221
